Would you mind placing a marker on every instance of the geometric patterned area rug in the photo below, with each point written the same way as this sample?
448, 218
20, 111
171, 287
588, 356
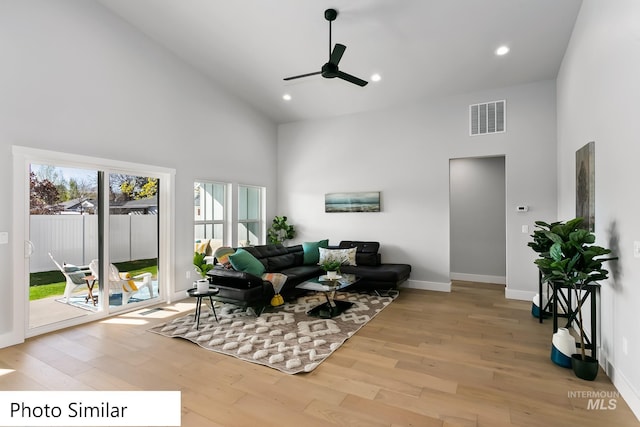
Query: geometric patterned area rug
284, 337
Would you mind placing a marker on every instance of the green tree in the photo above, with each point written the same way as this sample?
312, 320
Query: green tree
43, 196
134, 187
53, 175
128, 189
74, 190
149, 189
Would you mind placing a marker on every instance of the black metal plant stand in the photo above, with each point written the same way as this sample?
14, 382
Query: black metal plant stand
548, 305
564, 300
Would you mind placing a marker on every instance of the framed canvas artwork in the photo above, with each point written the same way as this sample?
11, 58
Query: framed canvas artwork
352, 202
586, 185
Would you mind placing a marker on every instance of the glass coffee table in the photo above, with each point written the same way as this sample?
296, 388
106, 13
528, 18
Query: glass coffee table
329, 287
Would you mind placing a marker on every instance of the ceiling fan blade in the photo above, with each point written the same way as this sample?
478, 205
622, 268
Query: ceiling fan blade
336, 55
302, 75
351, 79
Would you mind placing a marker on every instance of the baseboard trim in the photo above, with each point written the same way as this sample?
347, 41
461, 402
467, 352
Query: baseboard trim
427, 286
627, 391
519, 295
500, 280
11, 338
177, 296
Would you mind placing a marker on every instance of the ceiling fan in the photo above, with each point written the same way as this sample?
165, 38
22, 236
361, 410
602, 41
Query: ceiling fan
330, 70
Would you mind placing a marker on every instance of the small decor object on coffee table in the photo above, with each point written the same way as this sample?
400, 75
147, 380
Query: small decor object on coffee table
332, 267
329, 287
199, 295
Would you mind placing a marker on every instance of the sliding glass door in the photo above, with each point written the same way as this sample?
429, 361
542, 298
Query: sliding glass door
92, 244
133, 239
63, 240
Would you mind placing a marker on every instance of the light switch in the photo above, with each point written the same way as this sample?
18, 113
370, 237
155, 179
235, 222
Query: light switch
4, 237
636, 249
525, 228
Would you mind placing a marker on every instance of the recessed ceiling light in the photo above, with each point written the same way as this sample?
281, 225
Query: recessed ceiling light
375, 77
502, 50
286, 97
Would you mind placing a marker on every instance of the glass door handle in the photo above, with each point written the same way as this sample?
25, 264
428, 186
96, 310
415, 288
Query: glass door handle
29, 249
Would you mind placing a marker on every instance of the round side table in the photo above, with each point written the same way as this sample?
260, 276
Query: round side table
199, 295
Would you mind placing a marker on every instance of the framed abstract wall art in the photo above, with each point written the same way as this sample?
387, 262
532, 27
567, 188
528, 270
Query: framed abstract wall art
586, 185
352, 202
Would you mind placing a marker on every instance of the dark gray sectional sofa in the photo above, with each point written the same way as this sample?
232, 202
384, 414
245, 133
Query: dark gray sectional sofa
253, 291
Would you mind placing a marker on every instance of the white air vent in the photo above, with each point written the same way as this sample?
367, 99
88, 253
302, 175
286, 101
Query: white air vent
489, 117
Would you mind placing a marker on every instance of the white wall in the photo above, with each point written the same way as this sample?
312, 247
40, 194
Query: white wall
75, 78
598, 94
404, 153
478, 219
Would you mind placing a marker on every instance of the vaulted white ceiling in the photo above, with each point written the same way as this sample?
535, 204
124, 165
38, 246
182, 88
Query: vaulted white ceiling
421, 48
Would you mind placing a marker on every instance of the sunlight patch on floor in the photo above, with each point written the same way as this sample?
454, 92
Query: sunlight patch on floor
162, 312
124, 321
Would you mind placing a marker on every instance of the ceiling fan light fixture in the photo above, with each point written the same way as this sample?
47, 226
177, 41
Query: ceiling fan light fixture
286, 97
376, 77
330, 69
502, 50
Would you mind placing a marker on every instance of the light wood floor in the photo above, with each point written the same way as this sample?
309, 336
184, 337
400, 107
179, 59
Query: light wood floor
465, 358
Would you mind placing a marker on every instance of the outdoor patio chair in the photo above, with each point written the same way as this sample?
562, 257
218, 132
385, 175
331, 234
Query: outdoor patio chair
74, 276
122, 282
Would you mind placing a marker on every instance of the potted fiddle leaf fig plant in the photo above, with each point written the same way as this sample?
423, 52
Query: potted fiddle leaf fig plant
575, 261
541, 245
202, 267
280, 231
541, 242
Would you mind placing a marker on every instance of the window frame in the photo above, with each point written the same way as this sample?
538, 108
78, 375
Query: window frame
224, 222
261, 208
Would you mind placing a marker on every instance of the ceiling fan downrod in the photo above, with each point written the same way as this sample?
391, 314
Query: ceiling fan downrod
330, 15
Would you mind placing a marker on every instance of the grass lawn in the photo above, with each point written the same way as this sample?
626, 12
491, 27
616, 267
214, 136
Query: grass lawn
51, 283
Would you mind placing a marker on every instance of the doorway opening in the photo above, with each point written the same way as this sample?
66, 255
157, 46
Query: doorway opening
63, 230
477, 189
96, 237
65, 240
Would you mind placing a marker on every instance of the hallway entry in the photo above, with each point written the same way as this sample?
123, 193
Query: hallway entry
477, 219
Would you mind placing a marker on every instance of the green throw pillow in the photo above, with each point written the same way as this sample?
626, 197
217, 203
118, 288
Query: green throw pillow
244, 261
312, 252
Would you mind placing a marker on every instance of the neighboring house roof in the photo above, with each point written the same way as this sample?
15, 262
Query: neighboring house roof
139, 206
78, 205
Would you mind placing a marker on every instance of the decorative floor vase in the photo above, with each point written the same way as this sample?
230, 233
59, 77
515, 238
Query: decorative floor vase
536, 311
585, 369
563, 345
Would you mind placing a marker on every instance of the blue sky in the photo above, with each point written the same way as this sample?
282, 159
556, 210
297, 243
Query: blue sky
86, 175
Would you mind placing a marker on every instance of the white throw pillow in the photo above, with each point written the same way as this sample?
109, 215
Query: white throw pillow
345, 256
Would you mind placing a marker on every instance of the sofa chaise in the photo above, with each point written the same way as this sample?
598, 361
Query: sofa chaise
300, 263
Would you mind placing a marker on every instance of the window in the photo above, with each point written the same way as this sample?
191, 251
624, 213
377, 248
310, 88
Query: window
209, 204
250, 216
